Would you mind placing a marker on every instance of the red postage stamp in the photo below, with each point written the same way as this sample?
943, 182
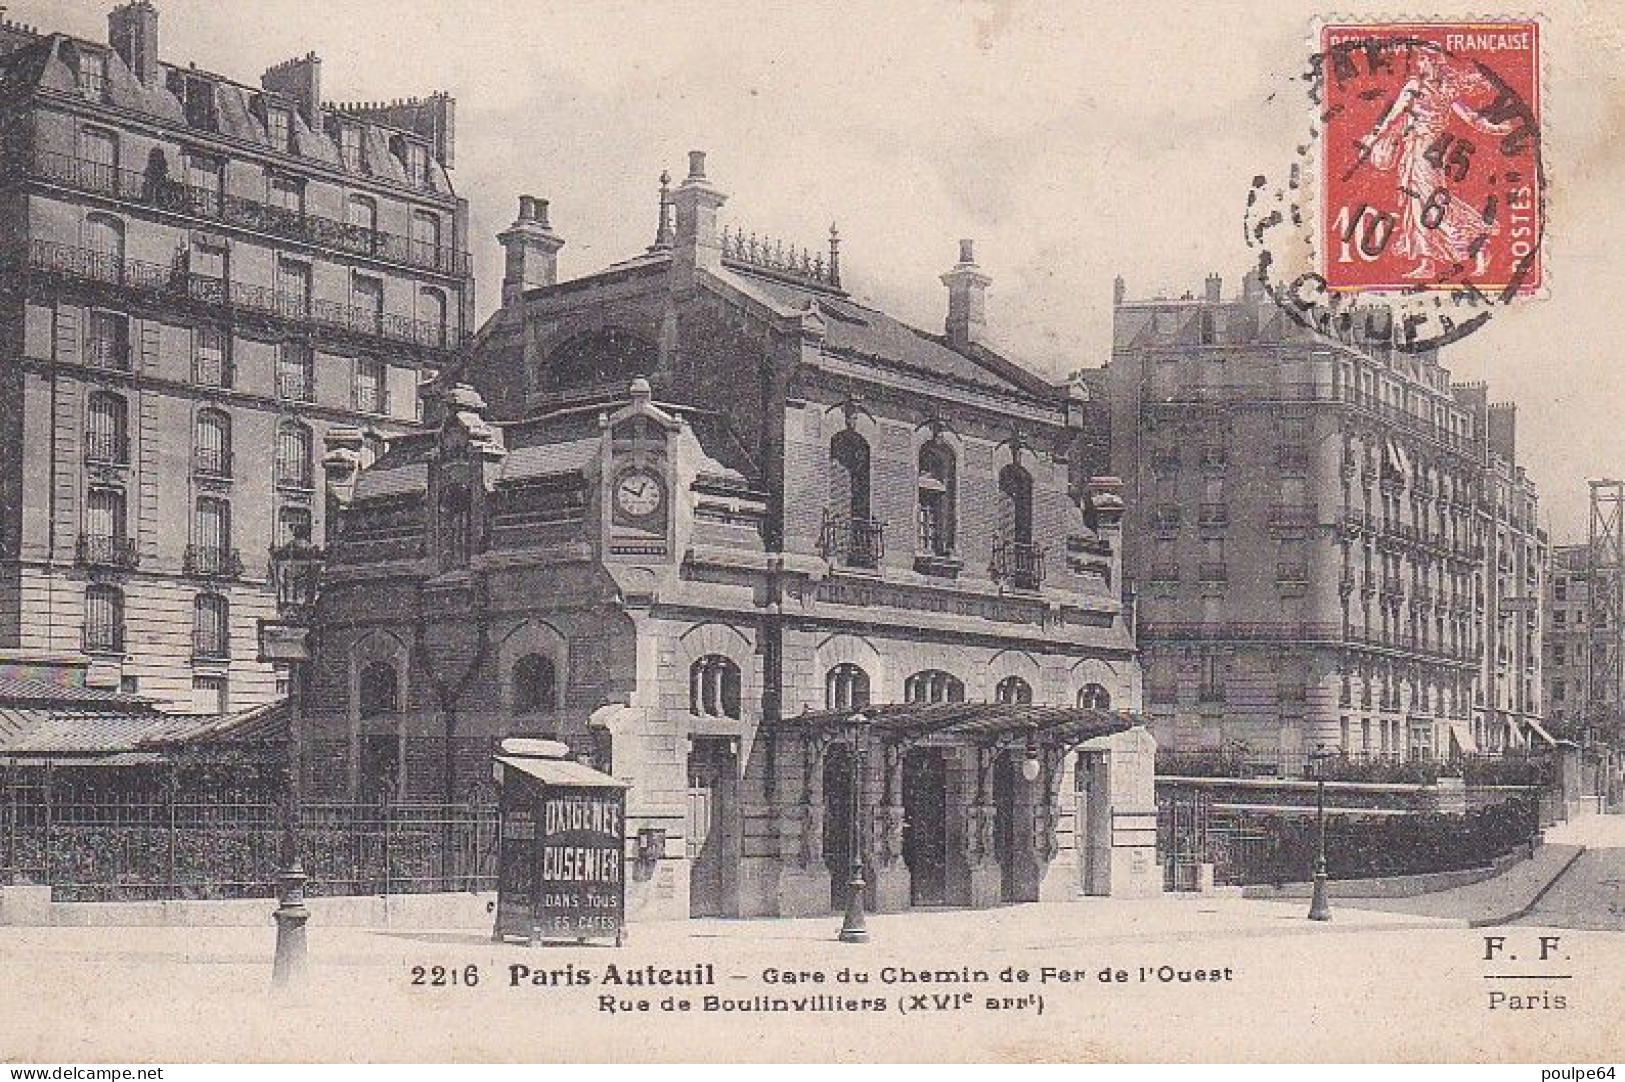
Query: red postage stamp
1431, 170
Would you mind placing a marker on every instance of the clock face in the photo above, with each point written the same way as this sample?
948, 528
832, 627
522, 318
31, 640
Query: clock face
638, 494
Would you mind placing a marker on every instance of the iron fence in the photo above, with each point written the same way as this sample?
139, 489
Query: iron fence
130, 850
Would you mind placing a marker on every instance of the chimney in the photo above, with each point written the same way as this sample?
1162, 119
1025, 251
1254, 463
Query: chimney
695, 203
533, 251
301, 80
967, 298
1215, 289
1503, 429
1119, 290
132, 31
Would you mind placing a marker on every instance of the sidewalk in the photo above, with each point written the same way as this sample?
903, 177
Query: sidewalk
1491, 901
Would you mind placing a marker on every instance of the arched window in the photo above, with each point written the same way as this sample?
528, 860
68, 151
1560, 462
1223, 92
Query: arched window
432, 315
211, 627
213, 443
1014, 691
714, 687
1016, 505
379, 691
107, 428
933, 686
456, 526
104, 619
104, 236
851, 535
1094, 697
936, 486
535, 684
293, 444
846, 687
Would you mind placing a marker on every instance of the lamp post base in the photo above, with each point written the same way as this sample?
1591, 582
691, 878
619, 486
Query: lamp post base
291, 916
854, 928
1319, 905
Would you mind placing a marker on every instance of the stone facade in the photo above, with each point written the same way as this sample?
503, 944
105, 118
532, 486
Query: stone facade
708, 495
1329, 544
201, 280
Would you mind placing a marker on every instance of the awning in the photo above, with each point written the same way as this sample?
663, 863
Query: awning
1540, 730
565, 773
1462, 733
976, 722
65, 762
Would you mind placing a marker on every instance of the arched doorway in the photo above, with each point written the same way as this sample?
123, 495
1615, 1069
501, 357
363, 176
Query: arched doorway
925, 825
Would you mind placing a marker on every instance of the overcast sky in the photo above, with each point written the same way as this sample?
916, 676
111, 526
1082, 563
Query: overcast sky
1073, 142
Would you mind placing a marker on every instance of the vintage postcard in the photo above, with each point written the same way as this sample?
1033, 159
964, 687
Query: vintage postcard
1001, 531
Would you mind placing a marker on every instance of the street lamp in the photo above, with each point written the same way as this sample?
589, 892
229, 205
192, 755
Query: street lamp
1319, 906
853, 928
296, 573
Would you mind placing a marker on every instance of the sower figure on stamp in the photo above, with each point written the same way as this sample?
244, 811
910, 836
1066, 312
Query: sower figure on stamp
1434, 227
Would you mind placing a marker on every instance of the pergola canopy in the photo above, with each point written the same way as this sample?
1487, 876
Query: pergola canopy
977, 723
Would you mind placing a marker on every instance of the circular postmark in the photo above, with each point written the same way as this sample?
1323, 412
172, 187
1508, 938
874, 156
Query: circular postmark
1417, 203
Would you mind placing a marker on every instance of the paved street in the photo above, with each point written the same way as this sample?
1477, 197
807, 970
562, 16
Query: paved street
1366, 986
1591, 894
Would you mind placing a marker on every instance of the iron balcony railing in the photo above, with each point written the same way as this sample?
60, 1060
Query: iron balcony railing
1018, 563
109, 447
103, 638
213, 372
155, 190
210, 645
212, 461
295, 384
212, 561
101, 550
856, 542
166, 284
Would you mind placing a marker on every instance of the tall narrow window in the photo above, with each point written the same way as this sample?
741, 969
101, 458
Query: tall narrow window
369, 385
936, 506
213, 444
211, 537
851, 535
206, 273
350, 146
1013, 691
211, 367
104, 237
104, 542
1211, 686
98, 154
456, 526
417, 163
104, 619
211, 627
295, 372
107, 340
846, 687
426, 238
367, 298
933, 686
361, 213
206, 177
1016, 560
293, 448
293, 288
714, 687
93, 74
379, 691
107, 437
432, 317
279, 126
535, 684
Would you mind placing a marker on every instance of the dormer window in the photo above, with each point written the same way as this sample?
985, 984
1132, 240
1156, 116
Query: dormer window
417, 163
197, 100
350, 146
279, 126
93, 75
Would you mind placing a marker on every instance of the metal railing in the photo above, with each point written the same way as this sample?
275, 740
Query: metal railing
212, 561
108, 447
147, 849
98, 550
159, 191
174, 282
856, 542
1018, 563
103, 638
212, 461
